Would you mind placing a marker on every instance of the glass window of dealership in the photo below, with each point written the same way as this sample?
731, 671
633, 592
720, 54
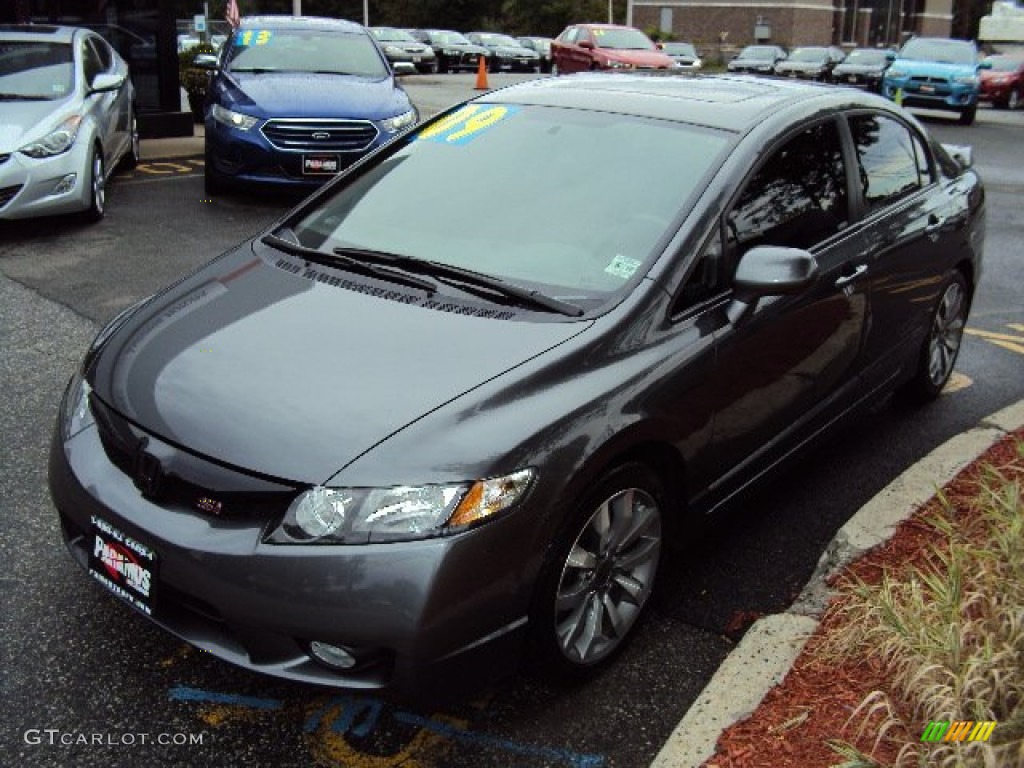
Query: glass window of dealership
144, 32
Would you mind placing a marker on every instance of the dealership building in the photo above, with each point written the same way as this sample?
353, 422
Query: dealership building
789, 23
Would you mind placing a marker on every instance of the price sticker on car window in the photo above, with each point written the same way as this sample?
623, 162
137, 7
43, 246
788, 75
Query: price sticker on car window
622, 267
464, 125
253, 37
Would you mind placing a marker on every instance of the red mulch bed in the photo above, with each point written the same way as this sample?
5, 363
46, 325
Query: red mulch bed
813, 704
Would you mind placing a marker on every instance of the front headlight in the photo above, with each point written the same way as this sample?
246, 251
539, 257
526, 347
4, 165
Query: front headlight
366, 515
397, 123
966, 80
233, 119
76, 415
896, 74
57, 141
394, 51
447, 52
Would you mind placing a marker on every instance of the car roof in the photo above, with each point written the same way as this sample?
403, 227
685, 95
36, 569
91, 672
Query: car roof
301, 22
38, 32
728, 102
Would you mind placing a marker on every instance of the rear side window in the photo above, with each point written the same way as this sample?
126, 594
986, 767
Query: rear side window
797, 198
892, 163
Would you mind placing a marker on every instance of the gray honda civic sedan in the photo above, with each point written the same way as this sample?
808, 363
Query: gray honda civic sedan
412, 434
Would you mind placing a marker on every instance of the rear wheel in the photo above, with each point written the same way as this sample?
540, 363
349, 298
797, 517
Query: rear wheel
600, 573
939, 353
967, 115
132, 157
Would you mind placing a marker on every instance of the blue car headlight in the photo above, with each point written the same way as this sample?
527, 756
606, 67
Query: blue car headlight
233, 119
971, 80
398, 122
360, 515
57, 141
895, 74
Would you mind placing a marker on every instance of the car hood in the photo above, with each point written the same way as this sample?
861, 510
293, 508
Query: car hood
275, 367
913, 67
858, 69
22, 122
302, 94
800, 66
638, 58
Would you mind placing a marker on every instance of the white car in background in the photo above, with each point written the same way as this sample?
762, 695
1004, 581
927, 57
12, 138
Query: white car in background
67, 119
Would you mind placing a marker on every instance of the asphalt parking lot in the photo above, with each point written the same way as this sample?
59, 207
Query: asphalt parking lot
87, 682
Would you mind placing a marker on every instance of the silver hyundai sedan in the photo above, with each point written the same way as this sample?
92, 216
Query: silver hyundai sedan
67, 119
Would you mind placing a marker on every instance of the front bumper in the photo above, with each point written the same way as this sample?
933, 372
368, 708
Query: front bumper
48, 186
438, 616
943, 95
247, 158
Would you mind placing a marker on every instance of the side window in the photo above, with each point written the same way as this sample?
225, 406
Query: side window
797, 198
705, 280
570, 36
889, 160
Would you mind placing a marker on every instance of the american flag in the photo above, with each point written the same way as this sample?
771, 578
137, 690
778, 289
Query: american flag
231, 14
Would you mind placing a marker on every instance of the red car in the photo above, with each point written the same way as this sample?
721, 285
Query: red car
1003, 84
584, 47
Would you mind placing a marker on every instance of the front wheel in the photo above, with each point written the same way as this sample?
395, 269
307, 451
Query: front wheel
97, 187
600, 573
942, 345
967, 115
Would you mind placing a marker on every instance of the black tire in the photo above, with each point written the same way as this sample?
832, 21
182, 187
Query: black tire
97, 187
212, 183
133, 156
599, 573
968, 114
942, 344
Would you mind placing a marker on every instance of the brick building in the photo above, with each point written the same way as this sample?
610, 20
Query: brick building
789, 23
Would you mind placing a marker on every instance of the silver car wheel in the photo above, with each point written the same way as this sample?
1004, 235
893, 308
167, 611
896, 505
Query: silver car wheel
607, 576
947, 332
99, 184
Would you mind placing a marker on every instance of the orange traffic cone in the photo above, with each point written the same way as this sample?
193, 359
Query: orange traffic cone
481, 76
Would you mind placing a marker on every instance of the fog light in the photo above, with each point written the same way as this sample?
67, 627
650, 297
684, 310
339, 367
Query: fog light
65, 185
332, 655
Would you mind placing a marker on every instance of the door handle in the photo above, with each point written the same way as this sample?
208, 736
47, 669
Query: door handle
846, 280
935, 223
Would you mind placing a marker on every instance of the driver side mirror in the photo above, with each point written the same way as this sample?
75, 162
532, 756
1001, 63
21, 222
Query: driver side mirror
106, 82
206, 61
586, 44
769, 270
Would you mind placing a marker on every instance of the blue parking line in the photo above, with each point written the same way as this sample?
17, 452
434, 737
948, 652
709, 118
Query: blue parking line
481, 739
184, 693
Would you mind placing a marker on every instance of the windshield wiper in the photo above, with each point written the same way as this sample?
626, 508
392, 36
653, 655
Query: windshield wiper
22, 97
346, 262
437, 269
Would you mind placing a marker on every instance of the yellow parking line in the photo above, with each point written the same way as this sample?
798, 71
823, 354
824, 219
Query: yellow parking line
1004, 340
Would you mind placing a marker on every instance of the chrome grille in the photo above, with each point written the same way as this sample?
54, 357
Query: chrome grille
298, 135
929, 80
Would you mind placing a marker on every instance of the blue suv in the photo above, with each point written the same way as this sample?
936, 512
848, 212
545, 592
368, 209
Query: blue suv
293, 101
936, 73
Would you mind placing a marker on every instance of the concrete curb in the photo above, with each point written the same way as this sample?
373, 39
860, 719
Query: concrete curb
770, 647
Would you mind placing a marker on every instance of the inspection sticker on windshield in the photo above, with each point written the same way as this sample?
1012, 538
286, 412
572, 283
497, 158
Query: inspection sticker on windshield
464, 125
622, 266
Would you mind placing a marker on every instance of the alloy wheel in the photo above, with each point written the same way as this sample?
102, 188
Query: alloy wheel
607, 576
947, 332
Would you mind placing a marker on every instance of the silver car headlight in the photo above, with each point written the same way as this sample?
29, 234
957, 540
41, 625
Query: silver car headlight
366, 515
75, 415
398, 122
57, 141
233, 119
393, 50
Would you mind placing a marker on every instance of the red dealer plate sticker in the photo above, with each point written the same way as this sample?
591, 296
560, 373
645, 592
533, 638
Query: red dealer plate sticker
318, 165
123, 565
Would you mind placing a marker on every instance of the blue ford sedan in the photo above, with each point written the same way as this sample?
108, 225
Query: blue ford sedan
293, 101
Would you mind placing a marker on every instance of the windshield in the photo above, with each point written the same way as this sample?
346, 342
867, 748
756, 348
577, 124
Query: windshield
305, 50
679, 49
816, 55
1005, 63
758, 52
36, 71
942, 51
622, 39
866, 57
503, 40
612, 187
448, 38
393, 36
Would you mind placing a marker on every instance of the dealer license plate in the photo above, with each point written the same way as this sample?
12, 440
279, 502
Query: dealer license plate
123, 565
852, 78
319, 165
927, 89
